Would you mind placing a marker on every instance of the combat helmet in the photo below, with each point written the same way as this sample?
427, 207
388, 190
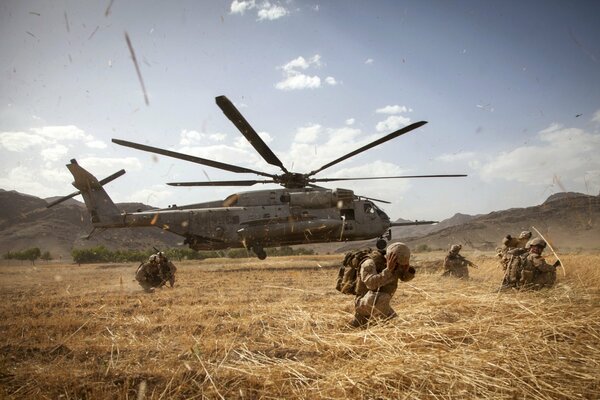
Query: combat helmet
525, 235
402, 252
537, 242
153, 258
455, 248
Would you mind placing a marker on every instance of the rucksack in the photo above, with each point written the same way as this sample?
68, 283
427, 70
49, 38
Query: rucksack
516, 263
348, 274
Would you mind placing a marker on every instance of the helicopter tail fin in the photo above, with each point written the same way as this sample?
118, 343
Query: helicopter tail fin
102, 209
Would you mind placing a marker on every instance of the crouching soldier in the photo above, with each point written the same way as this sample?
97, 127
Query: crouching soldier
456, 265
530, 270
537, 273
377, 282
156, 272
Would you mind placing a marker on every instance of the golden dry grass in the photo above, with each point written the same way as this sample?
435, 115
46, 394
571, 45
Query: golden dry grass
277, 329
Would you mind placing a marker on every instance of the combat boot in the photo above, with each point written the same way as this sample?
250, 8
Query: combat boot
358, 321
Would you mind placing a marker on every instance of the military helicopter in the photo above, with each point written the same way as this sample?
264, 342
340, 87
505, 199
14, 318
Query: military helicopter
300, 213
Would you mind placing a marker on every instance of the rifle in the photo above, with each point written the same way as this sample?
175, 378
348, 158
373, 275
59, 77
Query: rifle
469, 263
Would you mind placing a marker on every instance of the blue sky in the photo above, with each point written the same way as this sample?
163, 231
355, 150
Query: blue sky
510, 90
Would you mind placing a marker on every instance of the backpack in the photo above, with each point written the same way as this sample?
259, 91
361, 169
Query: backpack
349, 272
517, 271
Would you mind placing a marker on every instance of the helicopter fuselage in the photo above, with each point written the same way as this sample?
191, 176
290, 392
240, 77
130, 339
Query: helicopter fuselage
267, 218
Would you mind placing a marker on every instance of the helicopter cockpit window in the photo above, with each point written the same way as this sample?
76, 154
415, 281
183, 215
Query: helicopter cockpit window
369, 208
377, 209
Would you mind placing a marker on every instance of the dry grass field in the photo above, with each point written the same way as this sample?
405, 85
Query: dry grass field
277, 329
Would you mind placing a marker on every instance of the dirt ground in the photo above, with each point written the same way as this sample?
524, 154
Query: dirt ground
277, 328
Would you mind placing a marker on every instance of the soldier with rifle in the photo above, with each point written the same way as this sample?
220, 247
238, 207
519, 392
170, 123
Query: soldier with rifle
456, 265
156, 272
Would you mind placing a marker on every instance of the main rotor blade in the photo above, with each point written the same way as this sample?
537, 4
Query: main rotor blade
249, 133
385, 177
377, 142
186, 157
218, 183
373, 199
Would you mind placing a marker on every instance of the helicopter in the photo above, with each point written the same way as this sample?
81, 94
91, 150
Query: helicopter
299, 213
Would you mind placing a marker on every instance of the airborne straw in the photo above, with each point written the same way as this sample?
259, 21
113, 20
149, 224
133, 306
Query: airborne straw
550, 246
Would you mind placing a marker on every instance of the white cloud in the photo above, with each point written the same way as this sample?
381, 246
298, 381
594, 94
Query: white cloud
68, 132
330, 81
369, 61
240, 7
395, 109
308, 134
27, 180
271, 12
467, 155
568, 152
596, 117
350, 121
154, 195
96, 144
392, 123
47, 136
104, 166
19, 141
190, 138
301, 63
187, 138
54, 153
295, 79
266, 10
298, 82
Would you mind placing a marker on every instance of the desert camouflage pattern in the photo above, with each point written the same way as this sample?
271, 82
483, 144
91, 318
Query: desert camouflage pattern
155, 273
456, 266
529, 271
537, 273
510, 243
375, 289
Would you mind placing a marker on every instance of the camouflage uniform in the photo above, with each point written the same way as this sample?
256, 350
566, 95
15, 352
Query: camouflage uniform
510, 243
155, 272
456, 265
167, 269
377, 284
530, 270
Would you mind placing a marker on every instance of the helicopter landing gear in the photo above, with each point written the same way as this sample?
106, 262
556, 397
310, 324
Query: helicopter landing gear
260, 252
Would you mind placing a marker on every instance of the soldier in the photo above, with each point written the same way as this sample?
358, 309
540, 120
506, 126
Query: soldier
530, 270
509, 244
167, 268
536, 272
455, 264
378, 281
155, 272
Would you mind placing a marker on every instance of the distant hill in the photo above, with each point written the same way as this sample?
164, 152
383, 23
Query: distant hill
569, 220
422, 230
26, 222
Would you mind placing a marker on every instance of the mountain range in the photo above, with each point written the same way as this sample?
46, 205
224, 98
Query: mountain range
570, 221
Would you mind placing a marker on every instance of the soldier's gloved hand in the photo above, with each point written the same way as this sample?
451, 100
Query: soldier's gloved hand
556, 264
